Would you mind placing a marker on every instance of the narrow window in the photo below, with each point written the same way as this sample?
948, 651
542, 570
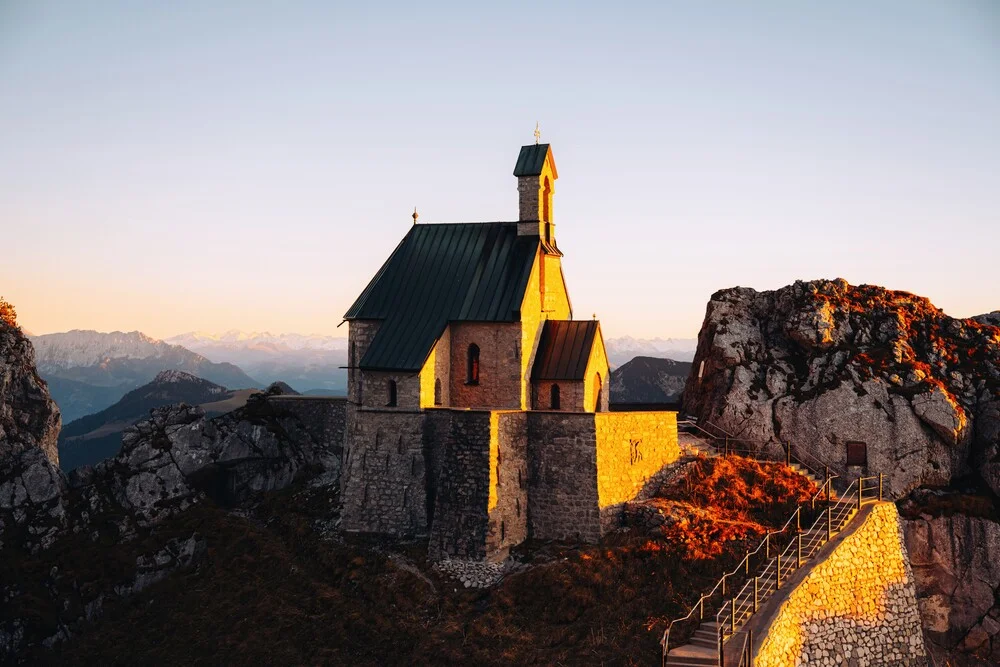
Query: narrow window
437, 391
392, 394
503, 531
597, 392
547, 205
554, 397
472, 369
857, 454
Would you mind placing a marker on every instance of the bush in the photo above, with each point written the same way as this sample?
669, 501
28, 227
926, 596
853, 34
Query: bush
7, 313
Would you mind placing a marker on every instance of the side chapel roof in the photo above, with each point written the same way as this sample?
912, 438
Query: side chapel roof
441, 273
564, 349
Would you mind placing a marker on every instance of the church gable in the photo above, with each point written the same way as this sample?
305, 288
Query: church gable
441, 273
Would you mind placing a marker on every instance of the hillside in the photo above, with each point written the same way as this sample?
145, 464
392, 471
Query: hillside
90, 370
93, 438
649, 380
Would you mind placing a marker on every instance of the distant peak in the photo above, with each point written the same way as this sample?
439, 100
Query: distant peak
176, 376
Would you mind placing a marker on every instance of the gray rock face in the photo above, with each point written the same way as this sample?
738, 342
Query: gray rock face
956, 565
823, 363
29, 419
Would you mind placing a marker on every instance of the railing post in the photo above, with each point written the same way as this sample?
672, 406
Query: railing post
732, 615
777, 571
788, 453
880, 487
861, 482
799, 550
798, 519
701, 608
829, 486
756, 588
746, 560
722, 655
829, 523
749, 647
767, 545
724, 583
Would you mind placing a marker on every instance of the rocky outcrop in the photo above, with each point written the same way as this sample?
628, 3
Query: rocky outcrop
823, 363
955, 558
29, 419
169, 462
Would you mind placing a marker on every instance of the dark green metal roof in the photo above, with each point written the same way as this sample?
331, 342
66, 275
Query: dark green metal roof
531, 159
441, 273
564, 349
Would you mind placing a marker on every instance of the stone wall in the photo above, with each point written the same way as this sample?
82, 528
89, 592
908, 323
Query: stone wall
632, 447
463, 488
384, 481
499, 365
508, 509
359, 337
570, 395
324, 417
562, 477
854, 605
374, 390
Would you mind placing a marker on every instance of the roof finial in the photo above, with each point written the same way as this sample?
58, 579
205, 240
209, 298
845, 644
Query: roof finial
415, 215
595, 317
538, 133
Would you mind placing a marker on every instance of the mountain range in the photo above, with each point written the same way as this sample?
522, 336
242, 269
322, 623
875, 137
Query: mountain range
88, 370
312, 361
93, 438
625, 348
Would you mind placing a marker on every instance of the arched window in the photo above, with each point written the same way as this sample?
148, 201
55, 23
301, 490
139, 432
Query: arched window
437, 391
392, 394
472, 369
554, 397
597, 392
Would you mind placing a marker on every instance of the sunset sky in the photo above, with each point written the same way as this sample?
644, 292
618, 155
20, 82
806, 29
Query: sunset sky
183, 166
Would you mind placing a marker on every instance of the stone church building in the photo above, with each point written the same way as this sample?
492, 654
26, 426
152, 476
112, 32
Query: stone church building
478, 408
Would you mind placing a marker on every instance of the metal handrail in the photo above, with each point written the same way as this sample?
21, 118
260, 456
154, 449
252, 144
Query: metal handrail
817, 467
747, 600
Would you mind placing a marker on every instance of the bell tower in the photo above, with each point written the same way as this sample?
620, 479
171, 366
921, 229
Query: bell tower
536, 184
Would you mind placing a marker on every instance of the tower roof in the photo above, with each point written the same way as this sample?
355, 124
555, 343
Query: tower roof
441, 273
531, 159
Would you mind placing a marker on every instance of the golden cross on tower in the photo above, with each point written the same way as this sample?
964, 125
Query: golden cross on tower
538, 133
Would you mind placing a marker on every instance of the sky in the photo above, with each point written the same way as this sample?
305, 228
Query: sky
181, 166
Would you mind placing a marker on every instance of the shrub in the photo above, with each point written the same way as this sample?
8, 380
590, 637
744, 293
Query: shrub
7, 313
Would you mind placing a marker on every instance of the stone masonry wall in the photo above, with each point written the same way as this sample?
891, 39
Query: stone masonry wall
499, 365
856, 607
562, 477
632, 447
384, 481
374, 390
461, 515
324, 417
508, 509
359, 337
570, 395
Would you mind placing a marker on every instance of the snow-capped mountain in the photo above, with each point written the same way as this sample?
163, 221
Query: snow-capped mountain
89, 370
623, 349
308, 361
264, 340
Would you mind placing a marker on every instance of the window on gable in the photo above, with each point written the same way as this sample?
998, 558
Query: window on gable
392, 394
554, 397
437, 391
472, 367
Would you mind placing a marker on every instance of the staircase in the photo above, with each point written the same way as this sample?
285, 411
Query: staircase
705, 646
